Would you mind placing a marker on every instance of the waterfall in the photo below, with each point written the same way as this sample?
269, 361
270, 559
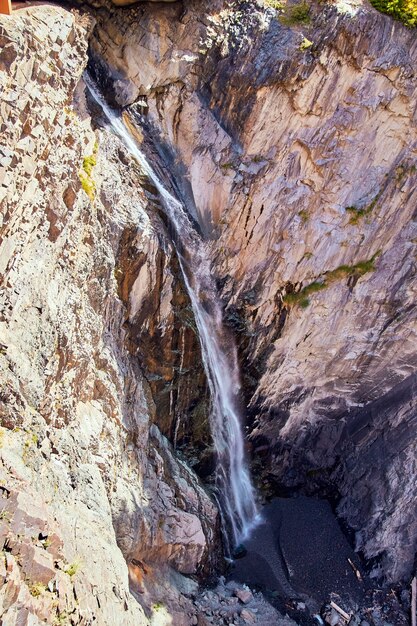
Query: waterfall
234, 491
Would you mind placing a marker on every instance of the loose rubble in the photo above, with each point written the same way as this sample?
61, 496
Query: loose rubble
232, 604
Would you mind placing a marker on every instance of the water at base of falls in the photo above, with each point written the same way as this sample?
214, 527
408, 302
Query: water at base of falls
234, 490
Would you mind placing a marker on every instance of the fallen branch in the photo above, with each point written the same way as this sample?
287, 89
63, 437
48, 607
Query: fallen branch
413, 601
355, 569
343, 613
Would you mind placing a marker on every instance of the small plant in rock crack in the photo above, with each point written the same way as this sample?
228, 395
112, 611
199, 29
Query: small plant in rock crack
37, 589
304, 215
356, 213
5, 516
32, 440
61, 619
274, 4
86, 173
72, 568
45, 542
305, 44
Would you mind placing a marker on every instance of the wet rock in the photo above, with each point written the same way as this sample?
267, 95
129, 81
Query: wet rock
333, 618
239, 552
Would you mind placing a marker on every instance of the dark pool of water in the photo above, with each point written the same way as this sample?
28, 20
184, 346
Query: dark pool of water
299, 549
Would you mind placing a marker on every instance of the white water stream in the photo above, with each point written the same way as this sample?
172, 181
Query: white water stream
235, 493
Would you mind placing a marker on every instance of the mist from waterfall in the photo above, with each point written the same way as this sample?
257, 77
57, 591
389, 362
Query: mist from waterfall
234, 490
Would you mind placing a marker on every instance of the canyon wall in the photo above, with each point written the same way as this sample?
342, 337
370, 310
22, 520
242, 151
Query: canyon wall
97, 510
299, 145
296, 148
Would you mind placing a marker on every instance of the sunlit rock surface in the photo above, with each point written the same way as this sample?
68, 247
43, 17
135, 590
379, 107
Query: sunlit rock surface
94, 504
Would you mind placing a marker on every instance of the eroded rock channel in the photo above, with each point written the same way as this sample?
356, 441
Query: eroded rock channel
289, 148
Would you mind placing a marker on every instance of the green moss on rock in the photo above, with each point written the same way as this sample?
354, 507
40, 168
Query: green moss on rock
301, 298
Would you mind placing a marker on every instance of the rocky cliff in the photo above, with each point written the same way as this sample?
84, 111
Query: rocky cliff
293, 139
95, 504
297, 136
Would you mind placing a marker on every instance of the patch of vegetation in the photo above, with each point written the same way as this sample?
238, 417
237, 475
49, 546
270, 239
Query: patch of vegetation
37, 589
5, 516
358, 213
403, 10
32, 440
72, 568
295, 14
46, 543
258, 158
301, 298
227, 166
88, 185
61, 619
404, 170
274, 4
304, 215
361, 268
86, 173
305, 44
89, 162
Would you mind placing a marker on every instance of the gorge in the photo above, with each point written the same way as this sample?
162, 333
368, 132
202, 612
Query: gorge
254, 185
234, 489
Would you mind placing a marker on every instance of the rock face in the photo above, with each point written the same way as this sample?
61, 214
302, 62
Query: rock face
296, 149
299, 146
95, 504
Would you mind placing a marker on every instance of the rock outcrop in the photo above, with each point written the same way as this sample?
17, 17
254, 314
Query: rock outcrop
94, 503
299, 147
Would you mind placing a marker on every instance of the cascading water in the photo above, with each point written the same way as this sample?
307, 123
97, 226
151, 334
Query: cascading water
235, 493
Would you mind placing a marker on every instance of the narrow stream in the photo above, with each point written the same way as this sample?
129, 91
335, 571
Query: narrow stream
234, 490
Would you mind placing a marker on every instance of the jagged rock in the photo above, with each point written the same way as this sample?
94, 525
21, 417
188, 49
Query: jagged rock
248, 617
36, 564
244, 595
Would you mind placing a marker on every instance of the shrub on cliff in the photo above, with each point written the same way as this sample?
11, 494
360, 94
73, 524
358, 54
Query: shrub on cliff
404, 10
291, 14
